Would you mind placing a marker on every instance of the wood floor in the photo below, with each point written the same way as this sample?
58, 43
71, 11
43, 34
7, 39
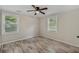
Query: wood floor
38, 45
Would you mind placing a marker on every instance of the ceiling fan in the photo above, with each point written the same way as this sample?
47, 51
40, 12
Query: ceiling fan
37, 10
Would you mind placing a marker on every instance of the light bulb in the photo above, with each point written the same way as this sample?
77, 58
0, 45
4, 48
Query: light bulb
37, 12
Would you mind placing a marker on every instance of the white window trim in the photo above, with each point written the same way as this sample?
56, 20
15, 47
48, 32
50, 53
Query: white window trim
3, 23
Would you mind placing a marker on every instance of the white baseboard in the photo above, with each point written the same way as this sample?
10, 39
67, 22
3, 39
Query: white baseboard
60, 41
6, 42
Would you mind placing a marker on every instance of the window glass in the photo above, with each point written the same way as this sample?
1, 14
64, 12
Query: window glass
52, 24
10, 23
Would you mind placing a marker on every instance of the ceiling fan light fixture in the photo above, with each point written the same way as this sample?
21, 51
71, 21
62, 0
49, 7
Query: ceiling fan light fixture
37, 12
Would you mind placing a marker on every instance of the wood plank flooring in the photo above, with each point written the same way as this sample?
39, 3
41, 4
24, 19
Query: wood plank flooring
38, 45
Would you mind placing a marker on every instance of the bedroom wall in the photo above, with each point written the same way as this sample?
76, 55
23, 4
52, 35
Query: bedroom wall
68, 27
0, 27
28, 28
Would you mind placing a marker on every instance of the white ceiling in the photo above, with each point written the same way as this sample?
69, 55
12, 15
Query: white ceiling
52, 9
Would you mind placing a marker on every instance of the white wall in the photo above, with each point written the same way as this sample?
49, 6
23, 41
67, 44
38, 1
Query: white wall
0, 26
28, 28
68, 28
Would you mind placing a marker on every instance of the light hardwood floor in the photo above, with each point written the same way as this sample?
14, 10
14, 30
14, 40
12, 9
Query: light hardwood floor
38, 45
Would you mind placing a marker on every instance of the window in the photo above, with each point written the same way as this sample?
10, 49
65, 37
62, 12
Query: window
10, 23
52, 23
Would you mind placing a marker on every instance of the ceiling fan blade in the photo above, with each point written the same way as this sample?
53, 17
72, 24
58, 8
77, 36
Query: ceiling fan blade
44, 9
30, 10
35, 13
41, 12
33, 6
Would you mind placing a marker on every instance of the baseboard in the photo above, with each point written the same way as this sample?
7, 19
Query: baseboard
6, 42
60, 41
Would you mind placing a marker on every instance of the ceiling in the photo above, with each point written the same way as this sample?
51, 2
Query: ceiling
52, 9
